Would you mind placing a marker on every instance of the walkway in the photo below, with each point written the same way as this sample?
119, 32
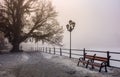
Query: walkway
38, 64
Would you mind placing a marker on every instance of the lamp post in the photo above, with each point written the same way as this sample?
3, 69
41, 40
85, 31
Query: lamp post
70, 28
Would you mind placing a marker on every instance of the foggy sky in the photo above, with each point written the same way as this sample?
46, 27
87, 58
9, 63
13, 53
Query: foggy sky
97, 23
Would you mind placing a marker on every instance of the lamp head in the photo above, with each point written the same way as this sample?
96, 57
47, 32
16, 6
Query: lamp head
67, 26
70, 22
73, 23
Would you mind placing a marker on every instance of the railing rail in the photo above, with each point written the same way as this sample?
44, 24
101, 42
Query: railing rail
61, 52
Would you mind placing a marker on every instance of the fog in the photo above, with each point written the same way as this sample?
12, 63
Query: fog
97, 23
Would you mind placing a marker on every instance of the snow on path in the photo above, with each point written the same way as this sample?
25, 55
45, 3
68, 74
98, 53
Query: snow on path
72, 63
37, 64
65, 61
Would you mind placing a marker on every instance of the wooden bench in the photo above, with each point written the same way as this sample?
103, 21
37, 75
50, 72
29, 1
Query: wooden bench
86, 59
99, 61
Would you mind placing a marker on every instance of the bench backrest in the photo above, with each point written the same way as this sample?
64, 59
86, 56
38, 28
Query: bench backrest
103, 59
89, 56
97, 58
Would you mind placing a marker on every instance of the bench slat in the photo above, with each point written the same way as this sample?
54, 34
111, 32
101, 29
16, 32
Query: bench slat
104, 59
89, 56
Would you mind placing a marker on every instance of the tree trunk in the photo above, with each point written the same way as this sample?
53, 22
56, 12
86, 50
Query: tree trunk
15, 47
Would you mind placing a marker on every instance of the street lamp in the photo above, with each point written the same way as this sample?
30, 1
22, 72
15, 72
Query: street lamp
70, 28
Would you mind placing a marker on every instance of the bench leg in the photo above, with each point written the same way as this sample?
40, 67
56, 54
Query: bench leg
100, 68
87, 64
105, 68
78, 63
92, 66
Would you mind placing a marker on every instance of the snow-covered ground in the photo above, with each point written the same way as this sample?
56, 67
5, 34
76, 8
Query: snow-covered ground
38, 64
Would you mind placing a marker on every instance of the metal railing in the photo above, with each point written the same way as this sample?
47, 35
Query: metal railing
76, 53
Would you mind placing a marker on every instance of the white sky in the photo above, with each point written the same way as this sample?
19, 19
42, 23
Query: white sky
97, 22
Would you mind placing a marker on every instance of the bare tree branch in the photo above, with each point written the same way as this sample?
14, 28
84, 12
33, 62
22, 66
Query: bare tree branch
22, 19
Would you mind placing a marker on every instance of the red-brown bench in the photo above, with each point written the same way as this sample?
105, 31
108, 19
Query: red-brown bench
99, 61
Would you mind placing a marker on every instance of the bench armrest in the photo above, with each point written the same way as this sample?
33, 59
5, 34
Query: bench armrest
91, 60
81, 58
104, 63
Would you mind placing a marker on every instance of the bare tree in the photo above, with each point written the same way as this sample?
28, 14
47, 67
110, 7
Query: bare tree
24, 19
2, 42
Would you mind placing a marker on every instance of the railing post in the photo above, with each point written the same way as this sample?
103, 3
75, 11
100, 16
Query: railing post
84, 53
49, 50
60, 52
108, 57
40, 48
35, 49
46, 49
43, 49
54, 50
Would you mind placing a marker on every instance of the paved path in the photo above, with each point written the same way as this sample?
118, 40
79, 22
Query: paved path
37, 64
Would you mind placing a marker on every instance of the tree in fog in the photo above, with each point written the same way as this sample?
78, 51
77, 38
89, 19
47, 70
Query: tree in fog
21, 20
2, 42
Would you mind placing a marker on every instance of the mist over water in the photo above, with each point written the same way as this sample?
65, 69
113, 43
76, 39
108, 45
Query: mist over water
97, 23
